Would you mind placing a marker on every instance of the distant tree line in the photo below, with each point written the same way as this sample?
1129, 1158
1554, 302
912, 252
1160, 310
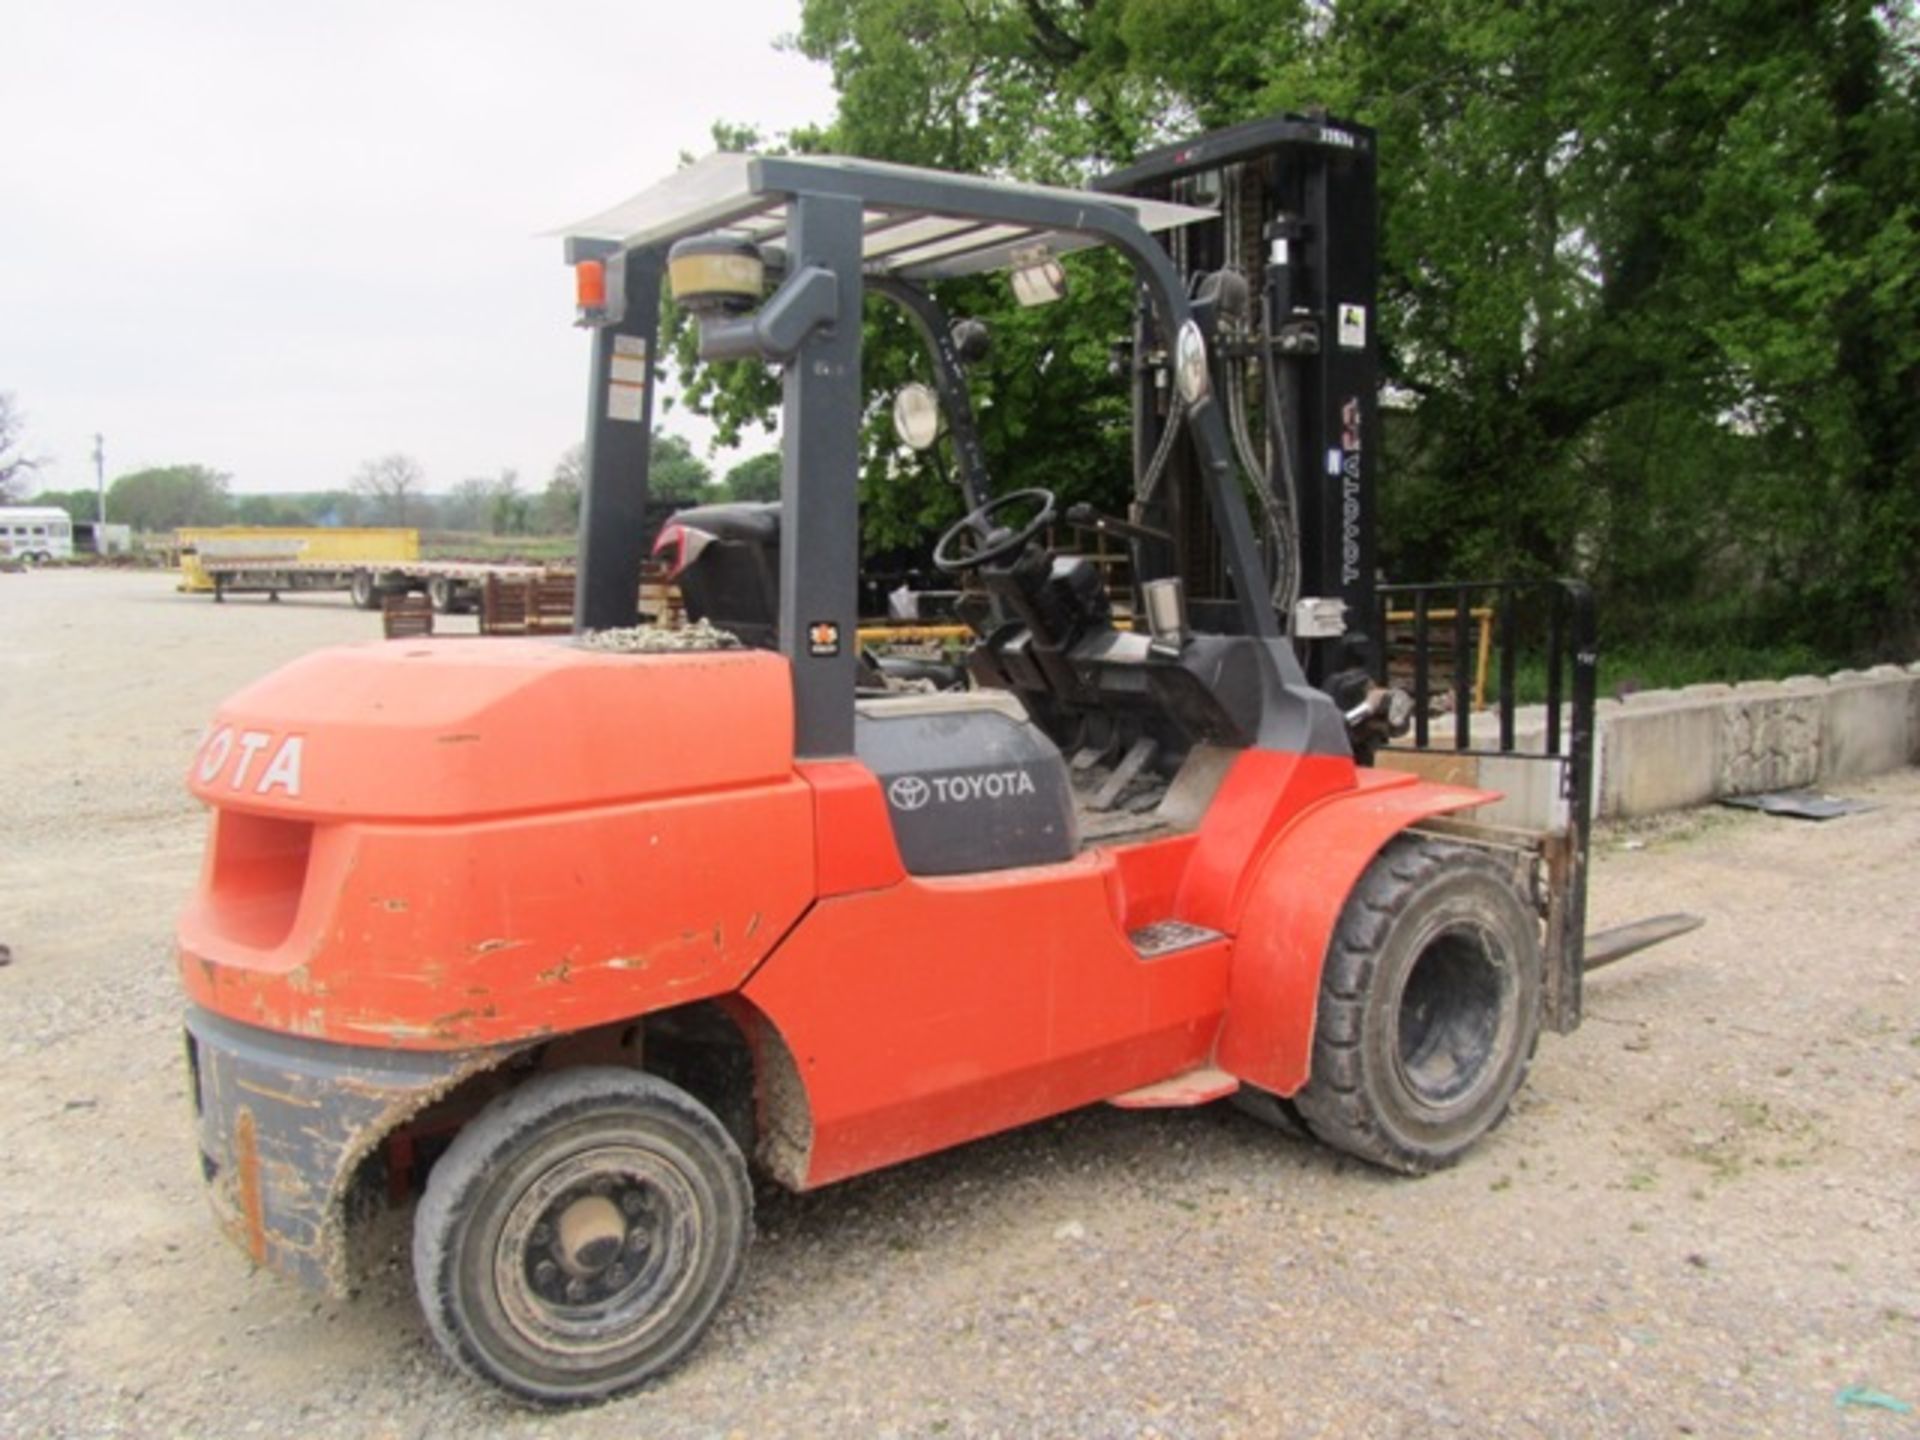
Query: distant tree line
390, 489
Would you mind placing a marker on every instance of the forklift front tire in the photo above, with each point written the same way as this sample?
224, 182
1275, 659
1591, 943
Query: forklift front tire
1429, 1007
580, 1234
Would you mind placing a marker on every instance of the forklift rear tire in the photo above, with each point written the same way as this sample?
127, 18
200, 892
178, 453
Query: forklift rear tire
1429, 1007
580, 1234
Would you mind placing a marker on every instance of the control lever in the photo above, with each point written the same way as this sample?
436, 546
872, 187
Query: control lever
1084, 517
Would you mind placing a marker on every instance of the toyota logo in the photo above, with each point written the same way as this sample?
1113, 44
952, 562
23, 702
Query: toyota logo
909, 792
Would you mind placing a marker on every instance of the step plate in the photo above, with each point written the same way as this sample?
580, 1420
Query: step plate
1163, 937
1194, 1087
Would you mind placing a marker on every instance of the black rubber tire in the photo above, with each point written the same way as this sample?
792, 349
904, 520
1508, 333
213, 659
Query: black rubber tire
1274, 1111
470, 1272
443, 594
364, 593
1429, 1007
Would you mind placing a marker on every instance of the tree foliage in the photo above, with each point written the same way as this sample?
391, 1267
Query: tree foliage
1650, 274
675, 472
755, 478
83, 506
169, 496
390, 484
16, 465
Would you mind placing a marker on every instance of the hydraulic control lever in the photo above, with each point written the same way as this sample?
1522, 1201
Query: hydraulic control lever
1084, 517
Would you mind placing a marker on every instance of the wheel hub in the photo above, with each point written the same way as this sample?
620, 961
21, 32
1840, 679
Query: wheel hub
592, 1234
1450, 1016
593, 1243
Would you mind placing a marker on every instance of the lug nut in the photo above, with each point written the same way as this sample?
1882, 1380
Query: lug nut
637, 1241
633, 1202
546, 1272
543, 1234
576, 1290
616, 1274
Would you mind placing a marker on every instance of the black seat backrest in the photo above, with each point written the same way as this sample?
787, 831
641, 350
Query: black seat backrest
733, 580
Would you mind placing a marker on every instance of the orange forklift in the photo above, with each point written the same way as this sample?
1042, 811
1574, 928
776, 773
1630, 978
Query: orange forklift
564, 938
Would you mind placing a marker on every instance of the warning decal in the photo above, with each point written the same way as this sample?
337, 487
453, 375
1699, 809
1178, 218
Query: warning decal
1353, 327
627, 378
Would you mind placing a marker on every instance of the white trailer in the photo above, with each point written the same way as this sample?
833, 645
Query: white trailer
37, 533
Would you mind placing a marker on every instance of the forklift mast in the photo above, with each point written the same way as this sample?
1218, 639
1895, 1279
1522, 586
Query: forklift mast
1285, 278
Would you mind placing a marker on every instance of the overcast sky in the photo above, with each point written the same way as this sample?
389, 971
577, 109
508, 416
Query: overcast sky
282, 238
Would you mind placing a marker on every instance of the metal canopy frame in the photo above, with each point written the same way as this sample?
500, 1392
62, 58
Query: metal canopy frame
851, 219
748, 194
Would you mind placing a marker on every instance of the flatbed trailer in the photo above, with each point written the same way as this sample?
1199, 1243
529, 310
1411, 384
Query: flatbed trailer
451, 585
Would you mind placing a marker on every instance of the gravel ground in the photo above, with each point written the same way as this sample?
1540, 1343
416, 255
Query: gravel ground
1700, 1219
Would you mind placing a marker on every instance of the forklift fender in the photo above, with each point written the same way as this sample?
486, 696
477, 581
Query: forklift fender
1287, 920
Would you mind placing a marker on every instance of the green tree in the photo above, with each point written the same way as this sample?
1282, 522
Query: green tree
270, 510
82, 505
558, 512
169, 496
756, 478
1650, 275
676, 473
508, 509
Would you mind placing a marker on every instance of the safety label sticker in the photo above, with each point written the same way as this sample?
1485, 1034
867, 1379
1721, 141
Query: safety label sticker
823, 638
1353, 327
626, 402
627, 378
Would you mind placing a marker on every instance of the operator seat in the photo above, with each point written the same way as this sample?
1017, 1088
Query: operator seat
726, 560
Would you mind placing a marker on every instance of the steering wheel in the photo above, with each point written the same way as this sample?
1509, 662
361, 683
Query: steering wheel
991, 540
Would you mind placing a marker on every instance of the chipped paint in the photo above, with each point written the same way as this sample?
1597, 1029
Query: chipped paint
489, 947
285, 1125
392, 1029
285, 1097
246, 1164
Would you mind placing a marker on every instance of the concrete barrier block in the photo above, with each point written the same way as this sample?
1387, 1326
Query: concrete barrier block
1659, 758
1768, 744
1530, 793
1641, 699
1709, 690
1869, 728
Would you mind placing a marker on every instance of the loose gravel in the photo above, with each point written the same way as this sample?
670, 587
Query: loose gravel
1700, 1220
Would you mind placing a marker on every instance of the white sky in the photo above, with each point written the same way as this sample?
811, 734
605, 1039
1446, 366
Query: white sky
281, 238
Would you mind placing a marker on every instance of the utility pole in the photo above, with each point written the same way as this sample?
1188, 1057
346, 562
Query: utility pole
100, 473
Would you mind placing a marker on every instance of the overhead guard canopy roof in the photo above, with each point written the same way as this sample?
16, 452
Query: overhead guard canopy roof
920, 224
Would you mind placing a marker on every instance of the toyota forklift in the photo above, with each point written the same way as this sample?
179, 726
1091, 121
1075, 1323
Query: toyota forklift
563, 936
